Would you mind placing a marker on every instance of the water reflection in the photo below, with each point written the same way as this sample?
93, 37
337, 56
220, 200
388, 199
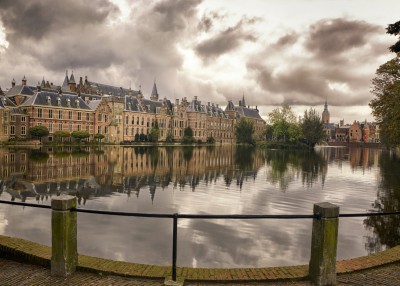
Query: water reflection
385, 229
292, 165
218, 180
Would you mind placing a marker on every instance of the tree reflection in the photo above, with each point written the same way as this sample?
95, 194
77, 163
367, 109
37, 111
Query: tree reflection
287, 165
385, 228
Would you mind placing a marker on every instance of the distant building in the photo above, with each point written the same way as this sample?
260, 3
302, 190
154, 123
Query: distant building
325, 113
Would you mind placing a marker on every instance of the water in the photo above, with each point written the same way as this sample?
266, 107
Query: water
219, 180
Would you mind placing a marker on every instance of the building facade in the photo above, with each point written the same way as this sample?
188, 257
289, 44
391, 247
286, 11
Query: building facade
119, 114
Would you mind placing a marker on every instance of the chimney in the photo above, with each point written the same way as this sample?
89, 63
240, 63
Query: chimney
24, 81
13, 83
217, 105
240, 103
195, 97
177, 101
208, 103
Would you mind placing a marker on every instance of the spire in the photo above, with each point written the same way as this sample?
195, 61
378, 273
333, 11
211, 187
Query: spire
154, 93
65, 83
43, 83
326, 104
72, 78
243, 102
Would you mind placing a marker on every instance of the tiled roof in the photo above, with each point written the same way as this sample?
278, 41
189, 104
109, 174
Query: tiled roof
132, 104
65, 100
230, 106
109, 89
93, 104
248, 112
6, 102
19, 89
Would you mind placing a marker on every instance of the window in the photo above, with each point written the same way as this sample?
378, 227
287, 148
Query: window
50, 113
79, 115
133, 131
50, 127
105, 129
69, 114
23, 119
126, 120
142, 121
59, 101
23, 130
39, 113
87, 116
105, 118
99, 117
99, 129
79, 127
133, 119
12, 130
60, 114
70, 127
87, 128
12, 118
126, 131
60, 126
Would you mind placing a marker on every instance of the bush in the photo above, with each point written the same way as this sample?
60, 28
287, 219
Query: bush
210, 140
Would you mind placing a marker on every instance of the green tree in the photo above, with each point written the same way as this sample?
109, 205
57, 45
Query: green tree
312, 127
154, 134
79, 135
394, 29
386, 104
142, 137
60, 134
169, 137
187, 135
244, 131
285, 127
137, 137
98, 137
210, 140
39, 131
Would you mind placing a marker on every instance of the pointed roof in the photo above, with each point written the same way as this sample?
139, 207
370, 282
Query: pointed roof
43, 83
66, 80
24, 78
230, 106
154, 92
72, 78
13, 81
243, 102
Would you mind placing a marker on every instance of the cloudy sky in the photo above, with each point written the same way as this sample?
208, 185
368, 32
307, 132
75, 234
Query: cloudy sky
297, 52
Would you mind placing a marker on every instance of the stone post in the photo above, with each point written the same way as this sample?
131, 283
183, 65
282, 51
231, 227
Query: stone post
322, 267
64, 256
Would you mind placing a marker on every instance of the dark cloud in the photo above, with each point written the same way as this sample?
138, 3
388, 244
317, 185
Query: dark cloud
226, 41
330, 66
331, 38
37, 18
207, 21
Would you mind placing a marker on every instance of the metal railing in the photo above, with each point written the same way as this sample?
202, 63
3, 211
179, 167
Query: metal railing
176, 216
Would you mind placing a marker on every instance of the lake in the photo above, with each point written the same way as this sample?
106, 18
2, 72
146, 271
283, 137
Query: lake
204, 180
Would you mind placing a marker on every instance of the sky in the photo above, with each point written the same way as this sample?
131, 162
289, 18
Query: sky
296, 52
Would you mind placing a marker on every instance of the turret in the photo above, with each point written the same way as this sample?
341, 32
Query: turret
72, 83
154, 93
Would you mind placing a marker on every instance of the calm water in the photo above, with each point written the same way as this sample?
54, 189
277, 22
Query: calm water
220, 180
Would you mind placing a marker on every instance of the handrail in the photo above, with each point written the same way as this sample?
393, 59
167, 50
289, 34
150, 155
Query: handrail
176, 216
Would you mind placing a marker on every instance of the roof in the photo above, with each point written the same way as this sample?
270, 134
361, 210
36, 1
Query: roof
20, 89
66, 100
109, 89
196, 106
248, 112
6, 102
230, 106
154, 92
93, 104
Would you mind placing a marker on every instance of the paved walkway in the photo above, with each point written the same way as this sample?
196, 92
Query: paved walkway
15, 273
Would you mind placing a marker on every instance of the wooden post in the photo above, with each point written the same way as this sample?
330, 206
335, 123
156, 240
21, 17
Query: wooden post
322, 267
64, 256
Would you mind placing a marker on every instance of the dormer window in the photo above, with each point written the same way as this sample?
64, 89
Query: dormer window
68, 102
48, 100
77, 103
59, 101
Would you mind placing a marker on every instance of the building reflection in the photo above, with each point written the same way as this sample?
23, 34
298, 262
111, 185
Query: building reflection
88, 173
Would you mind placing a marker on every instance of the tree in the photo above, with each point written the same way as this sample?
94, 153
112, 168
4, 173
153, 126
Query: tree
142, 137
154, 134
312, 127
210, 140
79, 135
394, 29
244, 131
285, 126
169, 137
137, 137
386, 104
39, 131
62, 134
99, 137
187, 135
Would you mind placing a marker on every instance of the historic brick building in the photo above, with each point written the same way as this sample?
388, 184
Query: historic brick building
118, 113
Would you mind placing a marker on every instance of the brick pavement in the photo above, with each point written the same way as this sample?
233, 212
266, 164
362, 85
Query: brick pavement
30, 252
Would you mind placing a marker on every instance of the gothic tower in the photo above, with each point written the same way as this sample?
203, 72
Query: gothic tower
325, 113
